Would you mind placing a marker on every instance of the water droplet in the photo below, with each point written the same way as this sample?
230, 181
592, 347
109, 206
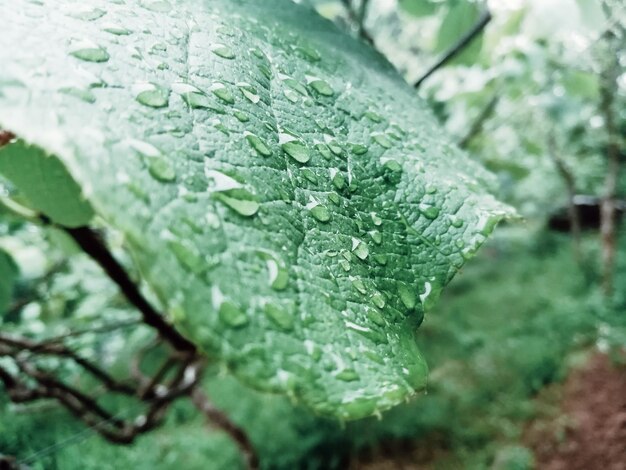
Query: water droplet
456, 221
376, 236
159, 6
309, 175
90, 53
318, 211
380, 259
86, 13
257, 144
382, 140
359, 149
334, 198
323, 149
241, 116
151, 95
376, 220
293, 84
85, 95
232, 193
265, 70
360, 249
359, 285
320, 86
309, 53
392, 171
372, 116
347, 375
117, 30
232, 315
407, 295
294, 148
291, 95
379, 301
338, 179
279, 316
220, 90
161, 169
249, 92
194, 97
277, 271
430, 212
188, 255
223, 51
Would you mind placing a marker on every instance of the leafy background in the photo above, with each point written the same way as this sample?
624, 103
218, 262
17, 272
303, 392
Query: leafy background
515, 320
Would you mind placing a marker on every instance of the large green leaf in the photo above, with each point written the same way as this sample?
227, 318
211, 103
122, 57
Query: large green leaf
290, 201
8, 275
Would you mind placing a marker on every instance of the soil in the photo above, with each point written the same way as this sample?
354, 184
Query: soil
588, 432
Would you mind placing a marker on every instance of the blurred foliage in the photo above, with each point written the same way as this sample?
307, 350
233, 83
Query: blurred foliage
513, 321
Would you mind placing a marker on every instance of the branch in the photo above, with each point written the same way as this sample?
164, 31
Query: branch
461, 44
477, 126
50, 349
358, 18
219, 419
6, 137
92, 244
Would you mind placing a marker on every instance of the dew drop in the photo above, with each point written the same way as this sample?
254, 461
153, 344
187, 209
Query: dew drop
91, 54
87, 14
359, 285
318, 211
376, 220
257, 144
220, 90
382, 140
348, 375
320, 86
430, 212
360, 249
407, 296
188, 255
232, 193
359, 149
372, 116
279, 316
376, 236
152, 95
241, 116
379, 301
161, 169
249, 92
232, 315
117, 30
338, 179
86, 95
223, 51
294, 148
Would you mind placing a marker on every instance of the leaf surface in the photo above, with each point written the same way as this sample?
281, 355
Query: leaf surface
293, 205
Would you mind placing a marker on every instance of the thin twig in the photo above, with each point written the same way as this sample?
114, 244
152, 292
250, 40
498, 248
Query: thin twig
220, 420
477, 125
92, 244
461, 44
358, 18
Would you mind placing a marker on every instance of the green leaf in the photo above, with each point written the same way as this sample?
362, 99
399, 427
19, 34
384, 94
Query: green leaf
459, 20
420, 7
8, 276
292, 203
45, 183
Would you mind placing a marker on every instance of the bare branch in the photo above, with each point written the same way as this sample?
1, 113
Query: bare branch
358, 18
92, 244
220, 420
457, 48
477, 126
